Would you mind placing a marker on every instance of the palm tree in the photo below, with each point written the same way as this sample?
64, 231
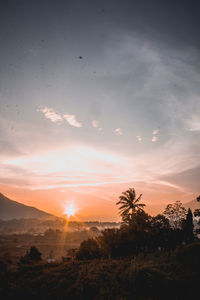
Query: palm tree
129, 204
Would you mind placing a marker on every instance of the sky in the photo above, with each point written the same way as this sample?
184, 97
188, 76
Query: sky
96, 97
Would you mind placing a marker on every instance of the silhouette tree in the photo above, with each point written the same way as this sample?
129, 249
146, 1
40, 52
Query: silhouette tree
197, 210
197, 215
109, 241
160, 222
176, 213
129, 205
140, 221
188, 226
33, 255
88, 249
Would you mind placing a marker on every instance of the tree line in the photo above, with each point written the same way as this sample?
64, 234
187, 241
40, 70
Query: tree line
148, 257
140, 232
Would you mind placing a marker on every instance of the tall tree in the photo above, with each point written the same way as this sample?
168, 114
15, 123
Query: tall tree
188, 226
129, 204
176, 213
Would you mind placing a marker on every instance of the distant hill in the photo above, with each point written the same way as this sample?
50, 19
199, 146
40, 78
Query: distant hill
10, 209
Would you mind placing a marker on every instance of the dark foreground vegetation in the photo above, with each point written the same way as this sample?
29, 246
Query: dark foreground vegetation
146, 258
162, 275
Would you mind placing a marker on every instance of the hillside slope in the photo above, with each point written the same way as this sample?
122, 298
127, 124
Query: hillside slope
10, 209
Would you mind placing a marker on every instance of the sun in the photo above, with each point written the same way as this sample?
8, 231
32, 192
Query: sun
70, 210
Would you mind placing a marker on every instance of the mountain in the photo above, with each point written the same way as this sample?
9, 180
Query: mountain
10, 209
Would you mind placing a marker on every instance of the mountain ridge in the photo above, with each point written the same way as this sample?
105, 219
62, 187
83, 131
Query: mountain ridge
11, 209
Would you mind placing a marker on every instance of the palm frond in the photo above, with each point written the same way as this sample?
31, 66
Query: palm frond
129, 204
125, 212
138, 199
123, 206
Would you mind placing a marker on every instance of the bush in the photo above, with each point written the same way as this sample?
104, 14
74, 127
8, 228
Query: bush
89, 249
189, 255
33, 255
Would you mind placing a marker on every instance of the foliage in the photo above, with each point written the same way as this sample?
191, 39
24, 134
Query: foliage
144, 234
197, 215
89, 249
189, 255
129, 204
188, 226
175, 213
33, 255
197, 212
146, 258
161, 275
109, 242
140, 232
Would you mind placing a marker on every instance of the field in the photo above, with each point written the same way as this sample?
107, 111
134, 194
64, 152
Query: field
55, 246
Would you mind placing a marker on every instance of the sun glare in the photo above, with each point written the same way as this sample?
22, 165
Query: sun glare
70, 210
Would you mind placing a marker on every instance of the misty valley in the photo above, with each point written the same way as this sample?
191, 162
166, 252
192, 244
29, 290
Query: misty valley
16, 237
55, 258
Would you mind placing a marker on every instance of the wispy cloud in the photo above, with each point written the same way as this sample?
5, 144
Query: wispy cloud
154, 139
55, 117
47, 187
51, 114
95, 123
59, 169
194, 124
155, 131
71, 119
139, 138
175, 186
118, 131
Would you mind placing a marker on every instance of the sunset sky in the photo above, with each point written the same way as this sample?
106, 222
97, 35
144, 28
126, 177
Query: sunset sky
97, 97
